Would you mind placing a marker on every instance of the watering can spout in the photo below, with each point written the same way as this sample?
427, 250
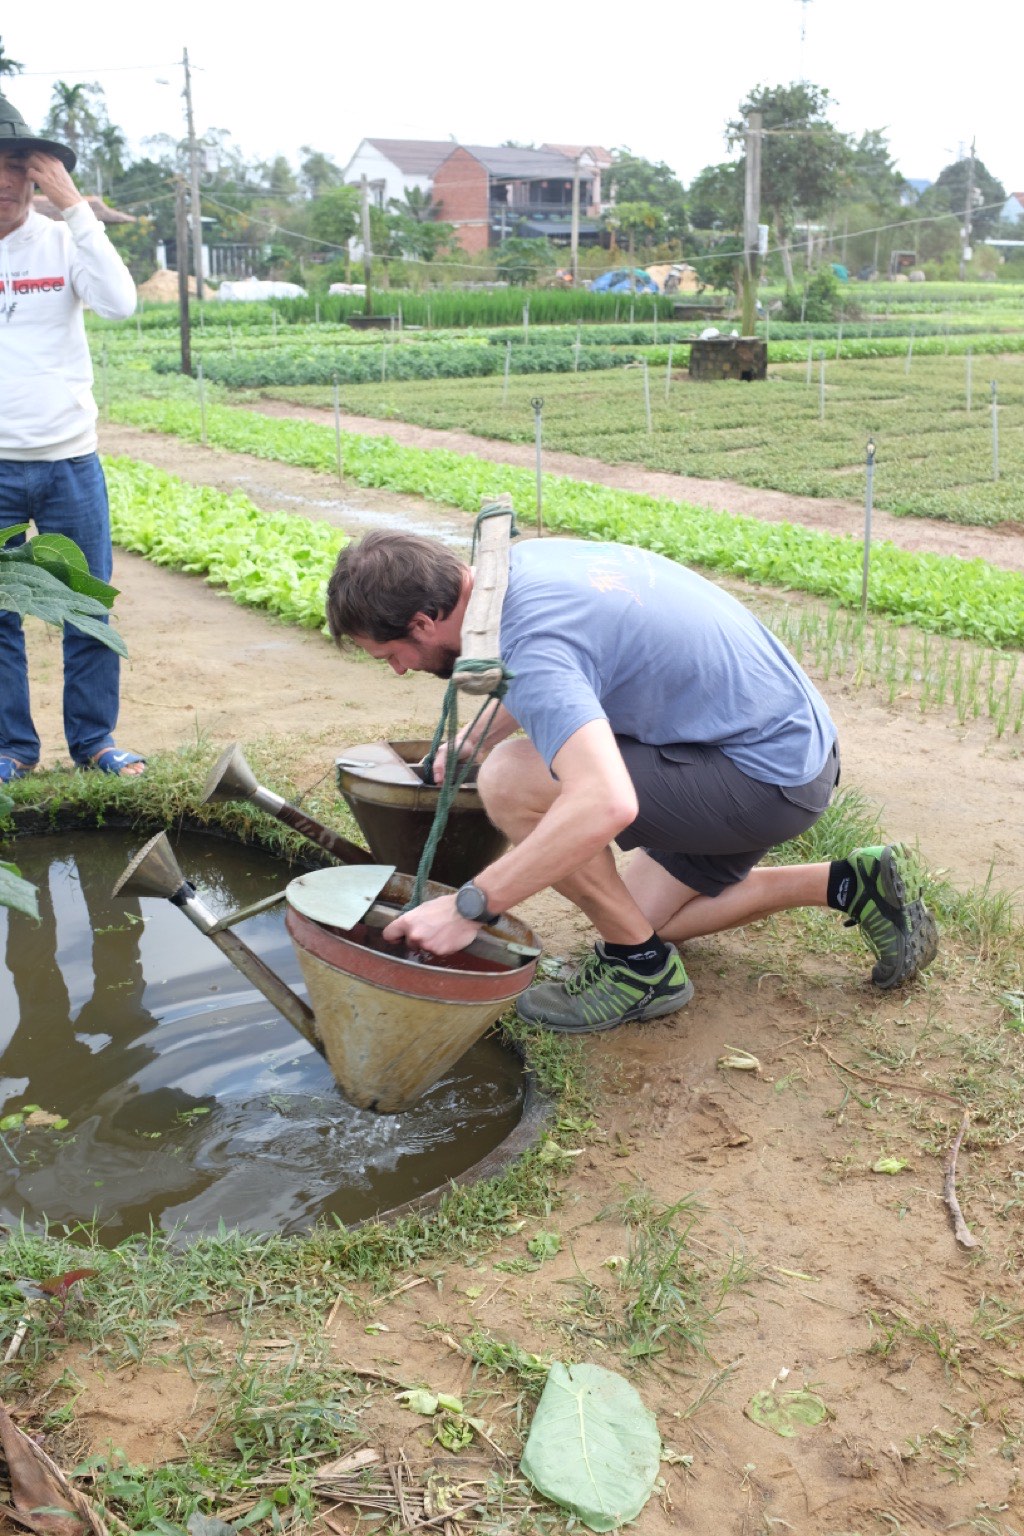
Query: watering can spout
155, 871
231, 778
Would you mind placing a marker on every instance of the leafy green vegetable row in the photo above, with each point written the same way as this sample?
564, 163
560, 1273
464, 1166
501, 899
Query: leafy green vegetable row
940, 593
424, 360
289, 366
266, 560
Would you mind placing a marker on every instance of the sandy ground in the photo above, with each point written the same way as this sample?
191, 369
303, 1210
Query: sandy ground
835, 1258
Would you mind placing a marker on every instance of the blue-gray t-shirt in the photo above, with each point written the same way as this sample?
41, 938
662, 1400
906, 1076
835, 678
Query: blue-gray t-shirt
610, 632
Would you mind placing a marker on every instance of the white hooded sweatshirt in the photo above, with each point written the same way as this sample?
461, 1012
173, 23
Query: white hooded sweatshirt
49, 270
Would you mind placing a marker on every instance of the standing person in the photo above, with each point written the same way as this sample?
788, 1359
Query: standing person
50, 472
659, 714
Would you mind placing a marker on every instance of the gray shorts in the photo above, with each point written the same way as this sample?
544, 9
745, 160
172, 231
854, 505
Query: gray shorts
707, 822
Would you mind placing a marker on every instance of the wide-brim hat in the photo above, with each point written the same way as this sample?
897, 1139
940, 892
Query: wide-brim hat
15, 134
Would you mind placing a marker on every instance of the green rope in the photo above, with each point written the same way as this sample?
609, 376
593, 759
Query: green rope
493, 509
456, 773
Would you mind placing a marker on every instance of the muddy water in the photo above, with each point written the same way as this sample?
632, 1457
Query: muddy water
189, 1101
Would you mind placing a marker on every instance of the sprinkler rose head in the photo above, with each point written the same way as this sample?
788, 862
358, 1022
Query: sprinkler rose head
154, 871
230, 778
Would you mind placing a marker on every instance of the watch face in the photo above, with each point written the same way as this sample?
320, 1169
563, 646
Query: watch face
470, 902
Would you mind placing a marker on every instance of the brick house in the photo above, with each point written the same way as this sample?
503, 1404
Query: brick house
488, 192
492, 193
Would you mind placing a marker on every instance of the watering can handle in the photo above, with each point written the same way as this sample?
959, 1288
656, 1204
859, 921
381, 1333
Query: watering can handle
481, 627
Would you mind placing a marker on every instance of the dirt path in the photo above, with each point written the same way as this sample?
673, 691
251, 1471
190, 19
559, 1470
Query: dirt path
822, 1261
201, 664
1002, 545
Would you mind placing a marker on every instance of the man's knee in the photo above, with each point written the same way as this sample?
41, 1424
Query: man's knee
511, 776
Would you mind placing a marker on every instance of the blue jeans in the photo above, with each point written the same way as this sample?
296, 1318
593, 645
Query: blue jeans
66, 496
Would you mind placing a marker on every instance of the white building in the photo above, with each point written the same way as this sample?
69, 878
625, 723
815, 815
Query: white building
395, 166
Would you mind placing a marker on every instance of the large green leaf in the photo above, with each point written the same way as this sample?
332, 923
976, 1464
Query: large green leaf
593, 1447
16, 892
29, 587
63, 558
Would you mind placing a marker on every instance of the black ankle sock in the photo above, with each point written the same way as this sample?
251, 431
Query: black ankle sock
842, 885
648, 958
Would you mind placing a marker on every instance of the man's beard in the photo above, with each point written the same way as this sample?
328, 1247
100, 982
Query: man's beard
446, 664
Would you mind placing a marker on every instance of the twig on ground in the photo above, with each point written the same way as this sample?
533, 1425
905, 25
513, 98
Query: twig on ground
17, 1340
960, 1228
893, 1085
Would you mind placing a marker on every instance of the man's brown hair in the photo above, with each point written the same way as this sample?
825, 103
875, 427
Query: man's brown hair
380, 583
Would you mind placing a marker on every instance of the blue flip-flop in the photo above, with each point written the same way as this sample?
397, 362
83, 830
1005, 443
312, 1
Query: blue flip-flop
11, 769
113, 760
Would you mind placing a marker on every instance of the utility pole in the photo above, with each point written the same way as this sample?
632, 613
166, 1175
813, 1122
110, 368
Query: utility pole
193, 171
574, 237
181, 236
751, 219
965, 249
367, 252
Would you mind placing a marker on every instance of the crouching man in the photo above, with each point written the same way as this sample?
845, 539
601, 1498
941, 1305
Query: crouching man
657, 714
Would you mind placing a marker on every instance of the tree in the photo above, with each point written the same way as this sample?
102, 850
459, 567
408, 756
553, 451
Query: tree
73, 117
633, 219
334, 217
317, 172
804, 159
420, 240
988, 196
9, 66
413, 227
522, 261
632, 179
279, 178
416, 204
146, 189
108, 157
716, 197
872, 175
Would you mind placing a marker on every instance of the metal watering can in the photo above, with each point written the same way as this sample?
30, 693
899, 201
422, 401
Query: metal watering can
389, 1023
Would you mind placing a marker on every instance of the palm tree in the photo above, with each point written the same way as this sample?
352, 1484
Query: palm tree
8, 66
108, 157
72, 118
415, 204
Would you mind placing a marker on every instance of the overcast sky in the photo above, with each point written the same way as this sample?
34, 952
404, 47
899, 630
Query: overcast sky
662, 80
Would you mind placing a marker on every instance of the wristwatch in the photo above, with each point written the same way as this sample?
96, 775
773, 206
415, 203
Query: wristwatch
471, 903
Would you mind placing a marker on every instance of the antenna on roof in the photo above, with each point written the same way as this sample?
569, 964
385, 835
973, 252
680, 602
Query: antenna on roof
803, 34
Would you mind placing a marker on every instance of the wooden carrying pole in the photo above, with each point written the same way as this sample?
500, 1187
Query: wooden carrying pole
481, 627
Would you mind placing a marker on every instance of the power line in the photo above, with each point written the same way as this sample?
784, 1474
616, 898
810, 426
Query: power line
106, 69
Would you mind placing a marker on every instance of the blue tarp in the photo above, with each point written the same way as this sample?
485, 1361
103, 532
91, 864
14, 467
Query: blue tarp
624, 280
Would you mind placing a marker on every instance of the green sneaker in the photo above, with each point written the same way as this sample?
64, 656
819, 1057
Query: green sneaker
602, 993
897, 926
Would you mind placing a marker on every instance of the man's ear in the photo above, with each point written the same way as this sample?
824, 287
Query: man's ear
421, 625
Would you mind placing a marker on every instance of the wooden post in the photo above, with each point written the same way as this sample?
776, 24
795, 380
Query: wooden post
574, 235
538, 407
751, 219
868, 503
337, 424
367, 250
481, 624
181, 237
195, 207
202, 403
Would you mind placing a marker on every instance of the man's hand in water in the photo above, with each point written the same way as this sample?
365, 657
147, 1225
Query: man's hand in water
435, 926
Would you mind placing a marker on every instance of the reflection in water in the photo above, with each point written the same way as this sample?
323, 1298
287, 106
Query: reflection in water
189, 1100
